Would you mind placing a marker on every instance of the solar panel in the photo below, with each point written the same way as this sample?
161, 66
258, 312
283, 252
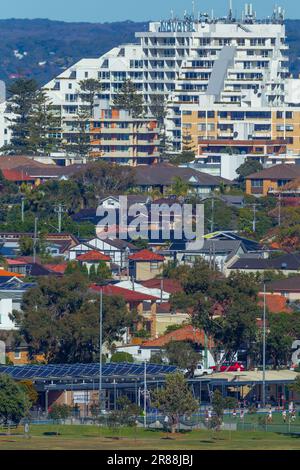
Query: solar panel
61, 371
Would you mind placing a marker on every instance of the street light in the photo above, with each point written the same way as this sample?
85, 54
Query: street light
264, 346
100, 349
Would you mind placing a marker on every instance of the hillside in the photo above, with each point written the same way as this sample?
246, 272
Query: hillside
43, 48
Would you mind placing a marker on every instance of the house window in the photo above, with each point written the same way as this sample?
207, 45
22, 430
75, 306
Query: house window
17, 355
257, 183
154, 266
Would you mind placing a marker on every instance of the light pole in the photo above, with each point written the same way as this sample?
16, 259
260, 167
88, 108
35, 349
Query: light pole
145, 394
100, 349
264, 348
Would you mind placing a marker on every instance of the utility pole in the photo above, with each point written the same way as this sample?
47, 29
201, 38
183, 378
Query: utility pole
264, 349
35, 239
212, 221
254, 206
145, 394
22, 209
279, 211
59, 210
100, 349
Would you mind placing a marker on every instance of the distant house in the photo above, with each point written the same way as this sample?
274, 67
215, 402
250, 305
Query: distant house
288, 264
11, 295
93, 258
117, 250
162, 176
271, 179
288, 288
145, 265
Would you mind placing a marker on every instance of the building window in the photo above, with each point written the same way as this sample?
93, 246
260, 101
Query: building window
289, 115
257, 183
17, 355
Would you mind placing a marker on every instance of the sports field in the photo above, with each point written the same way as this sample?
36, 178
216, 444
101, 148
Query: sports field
95, 438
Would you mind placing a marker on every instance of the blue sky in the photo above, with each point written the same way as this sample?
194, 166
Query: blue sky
114, 10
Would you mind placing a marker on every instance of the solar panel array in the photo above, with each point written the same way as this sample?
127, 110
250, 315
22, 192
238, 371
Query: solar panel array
69, 371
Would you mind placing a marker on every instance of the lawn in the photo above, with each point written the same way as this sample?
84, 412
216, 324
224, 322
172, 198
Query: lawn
95, 438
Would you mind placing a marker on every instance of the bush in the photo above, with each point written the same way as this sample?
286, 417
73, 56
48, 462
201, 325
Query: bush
122, 357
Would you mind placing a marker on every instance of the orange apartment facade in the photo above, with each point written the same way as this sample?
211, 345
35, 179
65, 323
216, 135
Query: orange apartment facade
120, 138
267, 130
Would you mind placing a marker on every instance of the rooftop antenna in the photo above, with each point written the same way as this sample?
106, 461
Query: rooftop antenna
193, 8
230, 14
172, 14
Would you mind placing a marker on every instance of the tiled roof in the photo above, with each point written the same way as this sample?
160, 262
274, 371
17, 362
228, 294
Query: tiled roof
172, 286
275, 303
164, 174
15, 262
286, 262
10, 162
5, 273
57, 268
282, 172
128, 295
93, 256
290, 284
146, 255
16, 175
187, 333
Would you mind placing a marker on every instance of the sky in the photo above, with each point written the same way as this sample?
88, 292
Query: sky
135, 10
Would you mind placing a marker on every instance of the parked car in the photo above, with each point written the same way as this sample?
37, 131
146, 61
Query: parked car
234, 367
200, 371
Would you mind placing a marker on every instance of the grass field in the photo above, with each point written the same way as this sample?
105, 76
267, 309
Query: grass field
95, 438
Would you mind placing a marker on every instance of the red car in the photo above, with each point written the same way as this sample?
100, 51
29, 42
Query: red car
235, 367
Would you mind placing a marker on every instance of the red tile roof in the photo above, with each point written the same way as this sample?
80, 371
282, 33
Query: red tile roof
146, 255
187, 333
172, 286
93, 256
128, 295
4, 273
15, 175
15, 262
275, 303
57, 268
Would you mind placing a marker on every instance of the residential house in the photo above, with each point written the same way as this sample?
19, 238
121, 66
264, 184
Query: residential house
288, 264
118, 250
145, 265
271, 179
143, 304
289, 288
93, 258
162, 177
11, 296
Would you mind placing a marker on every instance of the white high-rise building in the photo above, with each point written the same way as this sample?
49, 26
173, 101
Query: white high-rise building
198, 60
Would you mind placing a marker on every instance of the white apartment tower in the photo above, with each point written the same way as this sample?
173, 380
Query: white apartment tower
195, 60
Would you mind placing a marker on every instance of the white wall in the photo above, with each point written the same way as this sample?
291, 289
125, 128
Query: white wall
6, 308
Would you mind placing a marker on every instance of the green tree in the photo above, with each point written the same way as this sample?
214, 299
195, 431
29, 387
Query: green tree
79, 142
44, 126
59, 412
22, 96
14, 403
183, 355
130, 99
295, 386
60, 319
218, 406
30, 390
179, 187
247, 168
121, 357
175, 399
89, 91
26, 246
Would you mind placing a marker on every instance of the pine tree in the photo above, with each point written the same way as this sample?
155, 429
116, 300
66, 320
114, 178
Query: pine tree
89, 91
22, 96
79, 143
44, 127
130, 100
